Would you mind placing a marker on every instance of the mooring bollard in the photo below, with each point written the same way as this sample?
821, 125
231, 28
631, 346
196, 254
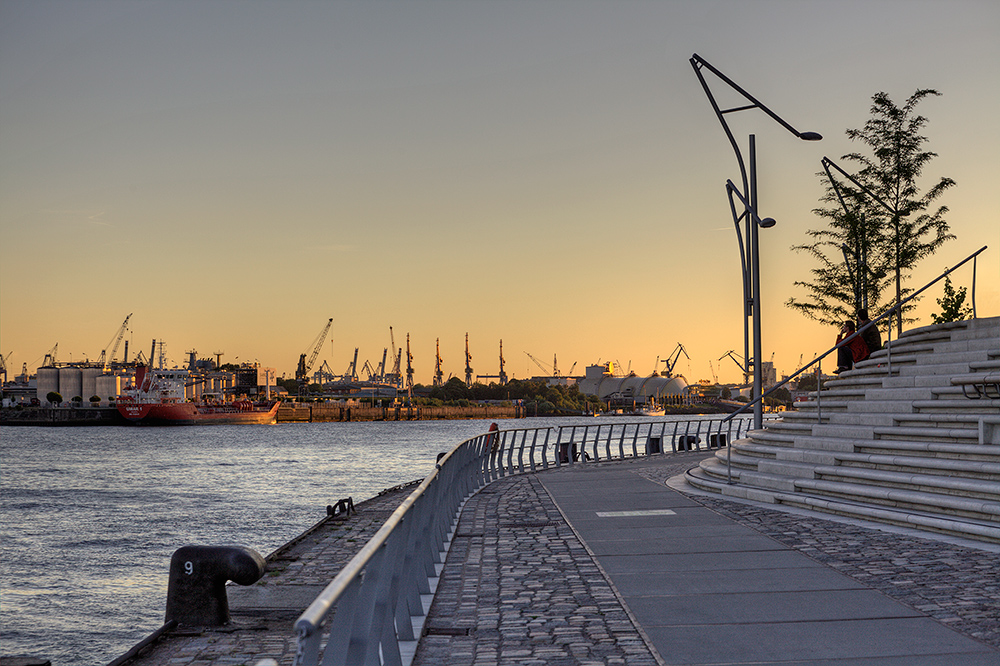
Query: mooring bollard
342, 509
196, 591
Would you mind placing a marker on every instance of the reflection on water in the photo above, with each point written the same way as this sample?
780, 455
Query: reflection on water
90, 516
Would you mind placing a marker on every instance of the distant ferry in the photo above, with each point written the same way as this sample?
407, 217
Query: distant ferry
158, 399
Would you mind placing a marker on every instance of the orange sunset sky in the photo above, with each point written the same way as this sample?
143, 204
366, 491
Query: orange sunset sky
546, 173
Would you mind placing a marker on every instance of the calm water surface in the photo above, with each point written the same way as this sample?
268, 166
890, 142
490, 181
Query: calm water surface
89, 517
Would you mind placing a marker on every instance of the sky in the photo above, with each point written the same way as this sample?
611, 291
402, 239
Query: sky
549, 174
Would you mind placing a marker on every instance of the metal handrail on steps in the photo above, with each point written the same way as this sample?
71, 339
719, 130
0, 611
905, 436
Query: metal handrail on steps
896, 307
372, 611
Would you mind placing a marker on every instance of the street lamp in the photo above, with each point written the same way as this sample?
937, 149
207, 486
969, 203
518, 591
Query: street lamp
749, 253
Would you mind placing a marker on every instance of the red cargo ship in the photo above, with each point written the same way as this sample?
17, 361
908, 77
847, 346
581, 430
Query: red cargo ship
158, 399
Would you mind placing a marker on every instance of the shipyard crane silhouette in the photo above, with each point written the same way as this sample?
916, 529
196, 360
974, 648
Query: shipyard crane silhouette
438, 375
352, 370
553, 371
105, 359
468, 362
302, 371
733, 355
50, 357
409, 369
675, 356
396, 377
502, 377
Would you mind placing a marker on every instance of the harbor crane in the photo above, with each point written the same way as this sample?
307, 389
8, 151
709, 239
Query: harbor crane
468, 362
502, 377
3, 365
106, 359
396, 377
671, 360
324, 375
50, 357
438, 375
352, 369
302, 371
733, 355
409, 368
541, 367
381, 366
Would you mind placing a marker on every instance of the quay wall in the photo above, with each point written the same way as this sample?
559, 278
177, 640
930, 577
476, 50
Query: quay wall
318, 413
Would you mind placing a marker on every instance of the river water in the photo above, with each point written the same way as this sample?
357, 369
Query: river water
89, 517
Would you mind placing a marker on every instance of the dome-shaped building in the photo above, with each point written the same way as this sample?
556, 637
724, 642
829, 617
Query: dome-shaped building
600, 381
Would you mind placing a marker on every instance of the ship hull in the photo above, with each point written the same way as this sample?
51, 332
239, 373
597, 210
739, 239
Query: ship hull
190, 413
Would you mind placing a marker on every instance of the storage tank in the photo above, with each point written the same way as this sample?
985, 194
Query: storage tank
108, 386
88, 381
71, 383
46, 381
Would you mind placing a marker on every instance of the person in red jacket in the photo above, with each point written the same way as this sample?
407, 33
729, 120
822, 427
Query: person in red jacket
850, 352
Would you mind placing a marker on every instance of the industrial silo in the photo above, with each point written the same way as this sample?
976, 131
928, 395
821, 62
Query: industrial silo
71, 383
108, 387
46, 381
88, 383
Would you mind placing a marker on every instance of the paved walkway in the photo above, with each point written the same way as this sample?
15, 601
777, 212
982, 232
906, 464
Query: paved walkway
523, 586
688, 580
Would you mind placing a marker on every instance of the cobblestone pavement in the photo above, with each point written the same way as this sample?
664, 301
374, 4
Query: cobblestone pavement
519, 587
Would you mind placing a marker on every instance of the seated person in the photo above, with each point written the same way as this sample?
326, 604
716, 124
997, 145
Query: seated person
849, 352
871, 335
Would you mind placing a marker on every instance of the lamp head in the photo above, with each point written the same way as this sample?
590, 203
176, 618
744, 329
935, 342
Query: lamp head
767, 223
810, 136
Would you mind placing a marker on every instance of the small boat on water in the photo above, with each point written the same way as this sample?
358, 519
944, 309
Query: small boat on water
158, 399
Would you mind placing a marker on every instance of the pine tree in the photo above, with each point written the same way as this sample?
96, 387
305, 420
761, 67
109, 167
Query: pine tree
891, 242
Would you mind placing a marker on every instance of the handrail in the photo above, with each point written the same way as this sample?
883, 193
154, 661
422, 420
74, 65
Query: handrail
377, 595
888, 313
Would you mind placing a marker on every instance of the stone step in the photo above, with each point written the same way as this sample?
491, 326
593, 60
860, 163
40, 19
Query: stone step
944, 405
917, 433
930, 420
929, 521
933, 495
906, 499
967, 448
948, 485
895, 458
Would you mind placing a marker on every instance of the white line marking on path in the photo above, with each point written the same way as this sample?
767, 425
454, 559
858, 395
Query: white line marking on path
628, 514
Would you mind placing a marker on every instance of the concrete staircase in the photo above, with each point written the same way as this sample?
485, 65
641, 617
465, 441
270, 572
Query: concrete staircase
918, 446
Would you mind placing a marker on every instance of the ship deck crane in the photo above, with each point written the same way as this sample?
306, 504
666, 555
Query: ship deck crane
302, 371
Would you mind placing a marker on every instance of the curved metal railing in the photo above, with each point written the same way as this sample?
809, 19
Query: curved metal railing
372, 612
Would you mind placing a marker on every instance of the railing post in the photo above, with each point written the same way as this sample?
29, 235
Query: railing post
819, 392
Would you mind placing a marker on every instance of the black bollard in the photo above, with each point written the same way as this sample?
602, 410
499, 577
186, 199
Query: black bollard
196, 591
